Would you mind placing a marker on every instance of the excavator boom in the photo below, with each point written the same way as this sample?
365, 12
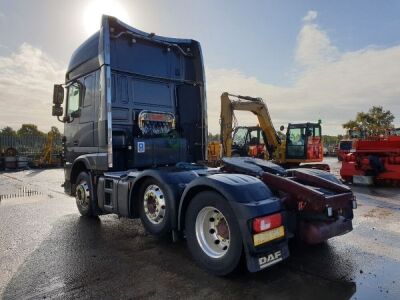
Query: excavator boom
245, 103
303, 143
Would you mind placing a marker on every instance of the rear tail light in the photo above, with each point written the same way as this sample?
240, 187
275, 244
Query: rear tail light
267, 222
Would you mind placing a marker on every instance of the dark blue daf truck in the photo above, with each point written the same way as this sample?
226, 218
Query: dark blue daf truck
135, 116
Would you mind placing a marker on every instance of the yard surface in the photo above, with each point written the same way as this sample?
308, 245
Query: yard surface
48, 251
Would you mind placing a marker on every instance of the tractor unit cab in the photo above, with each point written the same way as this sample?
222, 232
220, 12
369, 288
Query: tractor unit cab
135, 124
133, 100
304, 142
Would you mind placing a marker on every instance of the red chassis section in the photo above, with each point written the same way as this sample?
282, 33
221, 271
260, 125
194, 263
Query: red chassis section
319, 207
377, 157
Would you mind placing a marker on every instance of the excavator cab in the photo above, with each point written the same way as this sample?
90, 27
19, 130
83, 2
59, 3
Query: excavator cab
248, 139
303, 141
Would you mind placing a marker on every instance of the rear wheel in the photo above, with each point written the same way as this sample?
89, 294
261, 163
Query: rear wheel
213, 234
84, 195
154, 207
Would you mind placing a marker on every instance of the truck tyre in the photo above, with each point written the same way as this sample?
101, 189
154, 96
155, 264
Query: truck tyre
154, 207
212, 233
84, 195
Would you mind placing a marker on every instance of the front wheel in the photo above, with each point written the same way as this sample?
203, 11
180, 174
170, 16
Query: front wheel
84, 195
213, 234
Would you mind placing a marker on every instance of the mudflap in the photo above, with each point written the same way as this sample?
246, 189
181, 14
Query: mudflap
270, 256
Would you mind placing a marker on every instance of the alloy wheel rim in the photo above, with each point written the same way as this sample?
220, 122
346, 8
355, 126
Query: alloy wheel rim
83, 194
212, 232
154, 204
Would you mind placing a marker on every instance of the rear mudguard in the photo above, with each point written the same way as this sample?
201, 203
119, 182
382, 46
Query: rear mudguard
248, 197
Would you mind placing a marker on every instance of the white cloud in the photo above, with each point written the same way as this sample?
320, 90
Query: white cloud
331, 85
310, 16
314, 46
26, 84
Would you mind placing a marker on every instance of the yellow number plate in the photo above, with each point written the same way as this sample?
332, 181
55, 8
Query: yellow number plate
266, 236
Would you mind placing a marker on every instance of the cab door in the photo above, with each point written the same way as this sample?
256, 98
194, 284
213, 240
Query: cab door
314, 143
240, 141
296, 143
71, 129
85, 137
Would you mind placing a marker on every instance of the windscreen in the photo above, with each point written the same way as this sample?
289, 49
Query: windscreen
239, 138
296, 142
345, 145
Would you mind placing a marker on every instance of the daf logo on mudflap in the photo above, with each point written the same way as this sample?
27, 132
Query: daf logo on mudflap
270, 259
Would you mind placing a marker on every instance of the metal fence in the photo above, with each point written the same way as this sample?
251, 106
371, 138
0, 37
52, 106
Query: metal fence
30, 146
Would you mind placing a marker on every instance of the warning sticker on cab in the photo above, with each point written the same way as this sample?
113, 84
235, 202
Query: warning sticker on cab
141, 147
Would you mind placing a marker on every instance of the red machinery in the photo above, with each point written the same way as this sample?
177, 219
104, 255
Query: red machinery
376, 158
344, 148
347, 144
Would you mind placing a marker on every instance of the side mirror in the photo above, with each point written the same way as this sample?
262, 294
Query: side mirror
57, 111
282, 128
58, 95
58, 99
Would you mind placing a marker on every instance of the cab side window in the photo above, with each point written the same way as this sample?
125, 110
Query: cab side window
73, 98
296, 136
317, 132
89, 84
253, 138
239, 137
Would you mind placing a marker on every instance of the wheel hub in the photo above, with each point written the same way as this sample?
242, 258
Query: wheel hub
151, 204
212, 232
83, 194
154, 204
222, 229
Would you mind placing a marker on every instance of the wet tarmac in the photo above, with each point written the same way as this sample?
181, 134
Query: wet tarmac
48, 251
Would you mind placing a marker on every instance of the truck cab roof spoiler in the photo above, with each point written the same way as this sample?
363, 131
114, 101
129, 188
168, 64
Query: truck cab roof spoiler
95, 51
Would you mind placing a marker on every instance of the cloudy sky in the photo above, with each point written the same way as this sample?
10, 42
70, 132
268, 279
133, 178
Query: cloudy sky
309, 60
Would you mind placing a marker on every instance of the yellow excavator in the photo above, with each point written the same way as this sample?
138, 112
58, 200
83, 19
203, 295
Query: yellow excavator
301, 144
50, 155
